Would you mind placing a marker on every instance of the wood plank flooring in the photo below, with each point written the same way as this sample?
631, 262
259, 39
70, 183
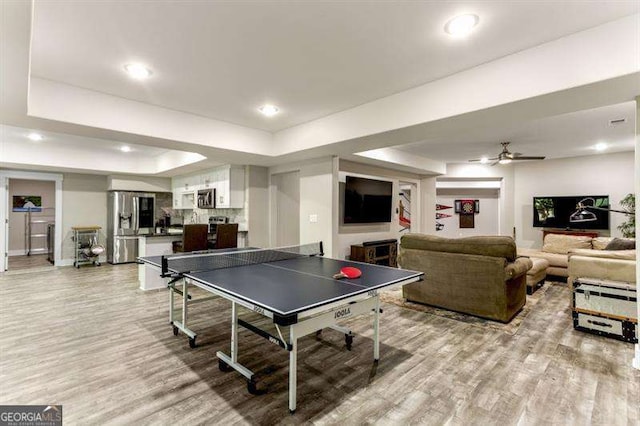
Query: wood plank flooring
20, 263
91, 340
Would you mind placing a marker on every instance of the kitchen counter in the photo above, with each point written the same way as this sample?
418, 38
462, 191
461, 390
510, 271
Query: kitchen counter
158, 244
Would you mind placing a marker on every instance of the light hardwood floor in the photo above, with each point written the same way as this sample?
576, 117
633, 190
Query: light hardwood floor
91, 340
20, 263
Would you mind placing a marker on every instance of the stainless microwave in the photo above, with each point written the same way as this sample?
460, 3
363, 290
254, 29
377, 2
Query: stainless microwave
207, 198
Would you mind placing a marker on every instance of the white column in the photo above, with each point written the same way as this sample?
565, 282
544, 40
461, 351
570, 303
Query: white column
636, 360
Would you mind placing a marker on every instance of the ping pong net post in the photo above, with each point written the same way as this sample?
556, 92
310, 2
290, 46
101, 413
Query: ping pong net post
178, 265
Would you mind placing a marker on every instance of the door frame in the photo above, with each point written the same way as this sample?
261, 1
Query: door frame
274, 205
415, 204
5, 175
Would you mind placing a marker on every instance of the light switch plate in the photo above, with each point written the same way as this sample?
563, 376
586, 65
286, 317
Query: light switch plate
313, 218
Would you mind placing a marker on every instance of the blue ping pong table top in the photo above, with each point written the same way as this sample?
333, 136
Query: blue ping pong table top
289, 287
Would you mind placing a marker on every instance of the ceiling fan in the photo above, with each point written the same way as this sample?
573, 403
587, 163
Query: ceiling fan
505, 157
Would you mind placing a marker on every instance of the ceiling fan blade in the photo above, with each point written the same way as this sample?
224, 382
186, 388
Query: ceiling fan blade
528, 158
494, 163
516, 154
479, 159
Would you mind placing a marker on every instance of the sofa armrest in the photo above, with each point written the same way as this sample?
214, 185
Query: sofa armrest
518, 267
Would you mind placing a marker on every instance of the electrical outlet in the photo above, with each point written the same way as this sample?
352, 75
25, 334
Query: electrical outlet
313, 218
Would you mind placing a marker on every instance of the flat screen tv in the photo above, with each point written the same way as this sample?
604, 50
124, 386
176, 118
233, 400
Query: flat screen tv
575, 212
367, 200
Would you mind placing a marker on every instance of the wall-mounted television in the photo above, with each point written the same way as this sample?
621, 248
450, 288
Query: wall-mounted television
367, 200
574, 212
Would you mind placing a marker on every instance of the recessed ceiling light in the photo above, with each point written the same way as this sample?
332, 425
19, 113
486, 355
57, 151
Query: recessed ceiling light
269, 110
601, 146
35, 136
461, 25
125, 148
484, 160
137, 71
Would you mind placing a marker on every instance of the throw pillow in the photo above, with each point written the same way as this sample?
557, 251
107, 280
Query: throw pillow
621, 244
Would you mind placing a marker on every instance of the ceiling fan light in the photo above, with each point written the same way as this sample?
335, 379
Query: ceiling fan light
504, 161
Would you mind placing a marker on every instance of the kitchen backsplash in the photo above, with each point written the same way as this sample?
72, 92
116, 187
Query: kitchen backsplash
202, 215
163, 199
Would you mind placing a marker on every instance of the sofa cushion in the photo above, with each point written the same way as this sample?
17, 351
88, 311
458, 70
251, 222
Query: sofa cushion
621, 244
599, 243
562, 244
554, 259
493, 246
606, 254
602, 268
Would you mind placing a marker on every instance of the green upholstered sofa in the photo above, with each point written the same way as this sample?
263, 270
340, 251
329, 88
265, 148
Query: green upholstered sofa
481, 276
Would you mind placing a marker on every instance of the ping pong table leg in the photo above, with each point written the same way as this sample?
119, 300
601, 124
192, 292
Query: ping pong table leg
376, 330
170, 305
234, 332
293, 369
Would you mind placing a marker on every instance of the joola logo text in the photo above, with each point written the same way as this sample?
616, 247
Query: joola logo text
344, 312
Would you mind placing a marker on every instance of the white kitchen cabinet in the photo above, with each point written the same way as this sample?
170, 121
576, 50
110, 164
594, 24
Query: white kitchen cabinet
208, 180
230, 187
177, 183
184, 189
228, 182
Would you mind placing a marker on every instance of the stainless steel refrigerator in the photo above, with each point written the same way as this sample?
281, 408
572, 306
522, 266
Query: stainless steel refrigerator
129, 214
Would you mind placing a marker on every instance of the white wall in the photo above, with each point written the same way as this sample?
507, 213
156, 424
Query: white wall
138, 183
257, 205
317, 183
45, 189
607, 174
486, 222
349, 234
85, 204
479, 172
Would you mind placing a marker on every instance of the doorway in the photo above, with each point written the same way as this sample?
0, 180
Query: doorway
285, 191
406, 206
31, 224
45, 210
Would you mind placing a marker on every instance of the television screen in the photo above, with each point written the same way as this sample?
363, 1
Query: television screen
367, 200
577, 212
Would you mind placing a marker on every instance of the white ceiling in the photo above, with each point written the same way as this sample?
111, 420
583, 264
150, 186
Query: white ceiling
565, 135
89, 154
318, 60
59, 141
224, 59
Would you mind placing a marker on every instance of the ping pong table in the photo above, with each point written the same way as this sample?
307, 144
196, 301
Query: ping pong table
292, 286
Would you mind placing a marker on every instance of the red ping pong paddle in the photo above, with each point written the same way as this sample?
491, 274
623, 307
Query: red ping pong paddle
348, 272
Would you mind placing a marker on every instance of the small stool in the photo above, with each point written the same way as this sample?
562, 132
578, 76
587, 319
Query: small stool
537, 274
